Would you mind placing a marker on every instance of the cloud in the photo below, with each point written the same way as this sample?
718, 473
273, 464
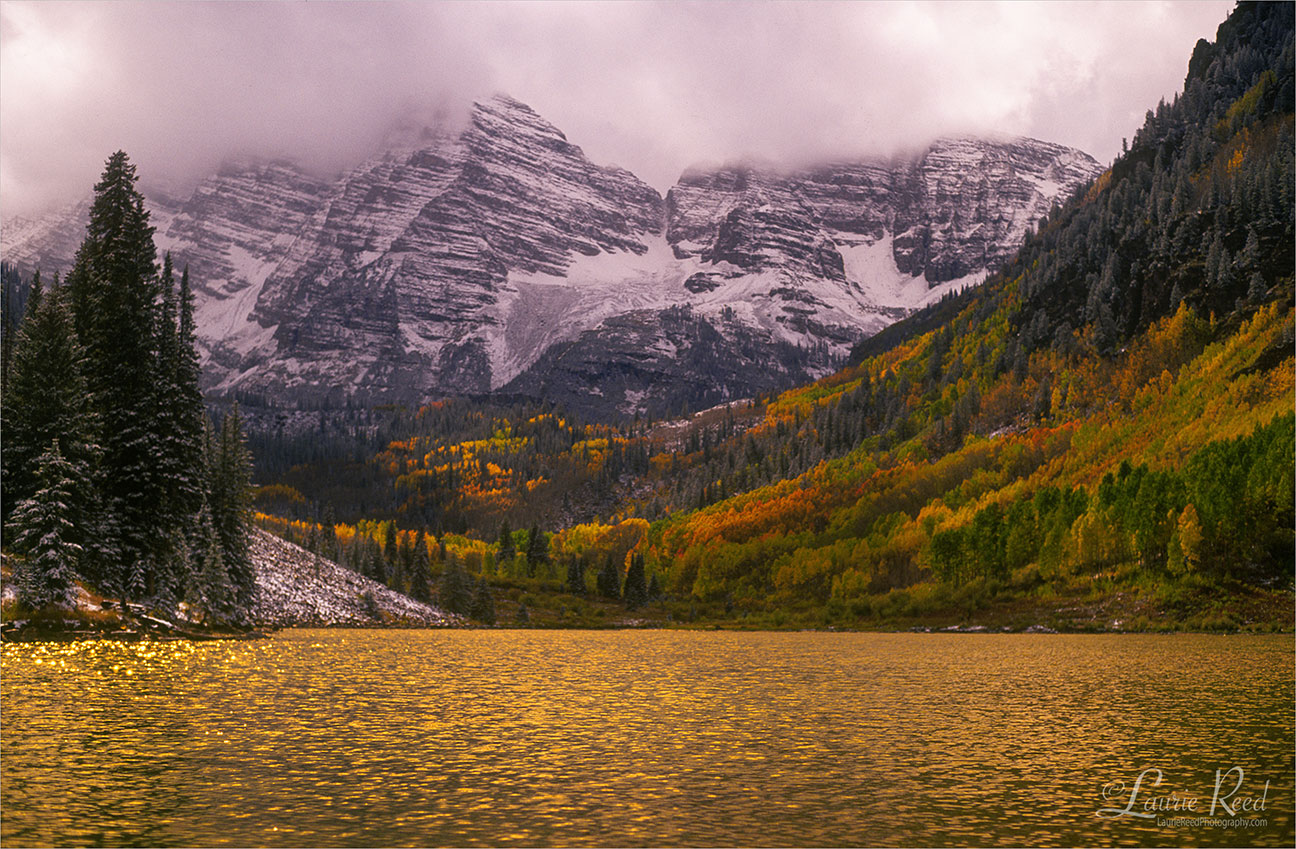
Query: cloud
654, 87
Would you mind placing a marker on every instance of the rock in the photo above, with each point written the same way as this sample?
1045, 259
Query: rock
498, 258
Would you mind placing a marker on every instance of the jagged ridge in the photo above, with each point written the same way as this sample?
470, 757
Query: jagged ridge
500, 256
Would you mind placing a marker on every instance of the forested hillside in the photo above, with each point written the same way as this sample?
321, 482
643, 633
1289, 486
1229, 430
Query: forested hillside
1110, 416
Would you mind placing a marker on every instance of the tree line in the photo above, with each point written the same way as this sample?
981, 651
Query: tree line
113, 472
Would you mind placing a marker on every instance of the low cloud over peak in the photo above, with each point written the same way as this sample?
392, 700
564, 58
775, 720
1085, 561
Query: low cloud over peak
652, 87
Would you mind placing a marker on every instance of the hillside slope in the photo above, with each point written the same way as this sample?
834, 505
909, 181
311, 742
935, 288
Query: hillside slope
1109, 416
298, 588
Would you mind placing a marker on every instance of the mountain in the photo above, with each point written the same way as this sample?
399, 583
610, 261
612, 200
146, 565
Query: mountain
772, 276
499, 258
1098, 437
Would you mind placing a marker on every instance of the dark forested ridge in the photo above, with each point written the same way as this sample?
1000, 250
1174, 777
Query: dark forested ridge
1196, 210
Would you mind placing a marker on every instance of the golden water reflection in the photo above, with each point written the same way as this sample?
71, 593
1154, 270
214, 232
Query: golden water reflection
466, 738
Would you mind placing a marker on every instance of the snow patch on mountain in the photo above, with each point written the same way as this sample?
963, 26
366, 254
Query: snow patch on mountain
455, 260
872, 267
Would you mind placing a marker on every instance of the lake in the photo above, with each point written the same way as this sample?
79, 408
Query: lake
626, 738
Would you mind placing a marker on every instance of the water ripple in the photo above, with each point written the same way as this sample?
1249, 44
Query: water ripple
508, 738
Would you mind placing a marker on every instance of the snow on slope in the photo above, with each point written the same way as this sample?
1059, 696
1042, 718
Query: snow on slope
298, 588
872, 267
537, 310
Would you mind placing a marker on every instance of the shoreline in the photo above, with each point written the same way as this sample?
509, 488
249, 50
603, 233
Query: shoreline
25, 631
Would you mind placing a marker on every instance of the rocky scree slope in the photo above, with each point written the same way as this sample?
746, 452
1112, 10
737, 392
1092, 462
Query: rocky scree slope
298, 588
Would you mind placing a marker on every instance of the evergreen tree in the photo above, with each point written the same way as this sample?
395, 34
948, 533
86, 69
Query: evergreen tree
14, 292
390, 540
654, 588
1257, 289
609, 580
180, 413
44, 530
537, 550
456, 589
483, 603
114, 290
229, 469
211, 590
46, 401
421, 571
635, 592
507, 551
576, 576
374, 566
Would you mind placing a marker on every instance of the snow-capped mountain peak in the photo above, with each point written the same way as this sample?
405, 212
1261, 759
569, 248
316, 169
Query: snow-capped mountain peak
497, 256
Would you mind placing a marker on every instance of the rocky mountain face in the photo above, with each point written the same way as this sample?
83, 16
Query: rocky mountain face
499, 258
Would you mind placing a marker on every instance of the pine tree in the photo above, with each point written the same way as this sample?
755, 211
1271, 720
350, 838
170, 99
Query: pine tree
46, 401
456, 589
211, 590
11, 297
421, 571
635, 592
229, 470
609, 580
176, 516
507, 551
1257, 289
1250, 258
180, 413
44, 530
1226, 276
483, 603
114, 292
576, 576
537, 550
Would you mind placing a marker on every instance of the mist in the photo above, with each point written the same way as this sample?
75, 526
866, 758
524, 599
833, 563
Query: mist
653, 87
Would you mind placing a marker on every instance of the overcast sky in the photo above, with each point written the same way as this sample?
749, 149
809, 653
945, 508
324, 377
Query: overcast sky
654, 87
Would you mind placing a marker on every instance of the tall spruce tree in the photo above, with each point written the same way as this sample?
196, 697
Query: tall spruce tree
421, 570
211, 590
229, 469
456, 594
483, 603
507, 550
576, 576
114, 290
635, 593
537, 550
609, 579
179, 408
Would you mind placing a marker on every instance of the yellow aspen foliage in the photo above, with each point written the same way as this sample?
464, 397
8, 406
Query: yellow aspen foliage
1186, 542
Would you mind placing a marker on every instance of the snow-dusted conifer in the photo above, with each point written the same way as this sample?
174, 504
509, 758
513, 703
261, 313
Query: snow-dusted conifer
114, 289
211, 590
229, 470
44, 534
